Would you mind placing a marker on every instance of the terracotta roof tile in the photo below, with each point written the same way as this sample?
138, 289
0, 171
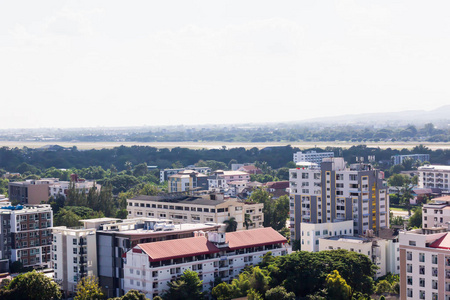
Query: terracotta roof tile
179, 248
253, 238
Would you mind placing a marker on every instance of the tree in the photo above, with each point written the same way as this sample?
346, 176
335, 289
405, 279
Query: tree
133, 295
254, 295
88, 289
67, 218
398, 180
337, 287
247, 221
275, 210
140, 170
279, 293
231, 224
33, 286
383, 286
415, 221
188, 287
122, 213
149, 190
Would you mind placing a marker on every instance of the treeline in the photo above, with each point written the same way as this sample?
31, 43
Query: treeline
264, 133
126, 158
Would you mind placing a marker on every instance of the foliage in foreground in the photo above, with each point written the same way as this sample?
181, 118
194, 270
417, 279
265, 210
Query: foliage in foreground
31, 286
304, 273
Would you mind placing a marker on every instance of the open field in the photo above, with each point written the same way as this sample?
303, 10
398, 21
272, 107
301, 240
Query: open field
216, 145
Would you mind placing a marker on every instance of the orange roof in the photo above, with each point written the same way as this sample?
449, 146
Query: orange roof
254, 238
179, 248
442, 243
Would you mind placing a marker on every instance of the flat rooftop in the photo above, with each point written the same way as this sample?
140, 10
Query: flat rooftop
197, 200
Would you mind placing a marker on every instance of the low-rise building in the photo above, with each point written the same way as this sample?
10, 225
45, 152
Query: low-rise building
166, 173
61, 188
398, 159
311, 233
150, 267
384, 253
187, 180
213, 208
436, 213
30, 191
312, 157
434, 176
26, 235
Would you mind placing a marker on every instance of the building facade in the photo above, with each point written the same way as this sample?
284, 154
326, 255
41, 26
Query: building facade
436, 213
334, 192
71, 258
166, 173
29, 192
425, 264
212, 208
97, 248
398, 159
312, 157
384, 253
26, 236
61, 188
150, 267
311, 233
186, 181
434, 176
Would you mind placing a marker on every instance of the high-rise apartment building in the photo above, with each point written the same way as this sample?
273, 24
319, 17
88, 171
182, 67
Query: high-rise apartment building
25, 235
334, 192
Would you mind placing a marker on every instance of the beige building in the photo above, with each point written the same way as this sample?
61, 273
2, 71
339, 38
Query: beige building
384, 253
30, 191
187, 180
212, 208
436, 213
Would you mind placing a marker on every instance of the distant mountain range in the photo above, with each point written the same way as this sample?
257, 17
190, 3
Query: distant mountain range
439, 115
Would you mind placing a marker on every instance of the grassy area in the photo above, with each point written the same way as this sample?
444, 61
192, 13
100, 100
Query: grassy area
398, 209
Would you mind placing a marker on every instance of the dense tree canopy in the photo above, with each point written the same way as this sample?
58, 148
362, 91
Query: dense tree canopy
31, 286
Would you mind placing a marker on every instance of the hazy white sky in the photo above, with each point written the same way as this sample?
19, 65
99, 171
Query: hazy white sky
123, 63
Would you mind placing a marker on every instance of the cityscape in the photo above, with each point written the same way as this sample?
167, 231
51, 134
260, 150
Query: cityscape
224, 150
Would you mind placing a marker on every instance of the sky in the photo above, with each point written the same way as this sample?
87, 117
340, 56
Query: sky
130, 63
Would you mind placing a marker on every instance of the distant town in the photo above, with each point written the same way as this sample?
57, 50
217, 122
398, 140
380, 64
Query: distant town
271, 223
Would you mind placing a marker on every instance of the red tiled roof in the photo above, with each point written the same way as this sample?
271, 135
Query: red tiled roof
179, 248
277, 184
442, 243
253, 238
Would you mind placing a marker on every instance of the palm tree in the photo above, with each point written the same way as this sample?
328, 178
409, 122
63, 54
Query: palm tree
247, 221
231, 224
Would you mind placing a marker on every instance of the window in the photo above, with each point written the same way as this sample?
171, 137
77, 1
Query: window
409, 268
434, 284
74, 250
421, 257
434, 259
422, 282
409, 280
305, 175
409, 255
421, 294
412, 243
422, 270
74, 241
